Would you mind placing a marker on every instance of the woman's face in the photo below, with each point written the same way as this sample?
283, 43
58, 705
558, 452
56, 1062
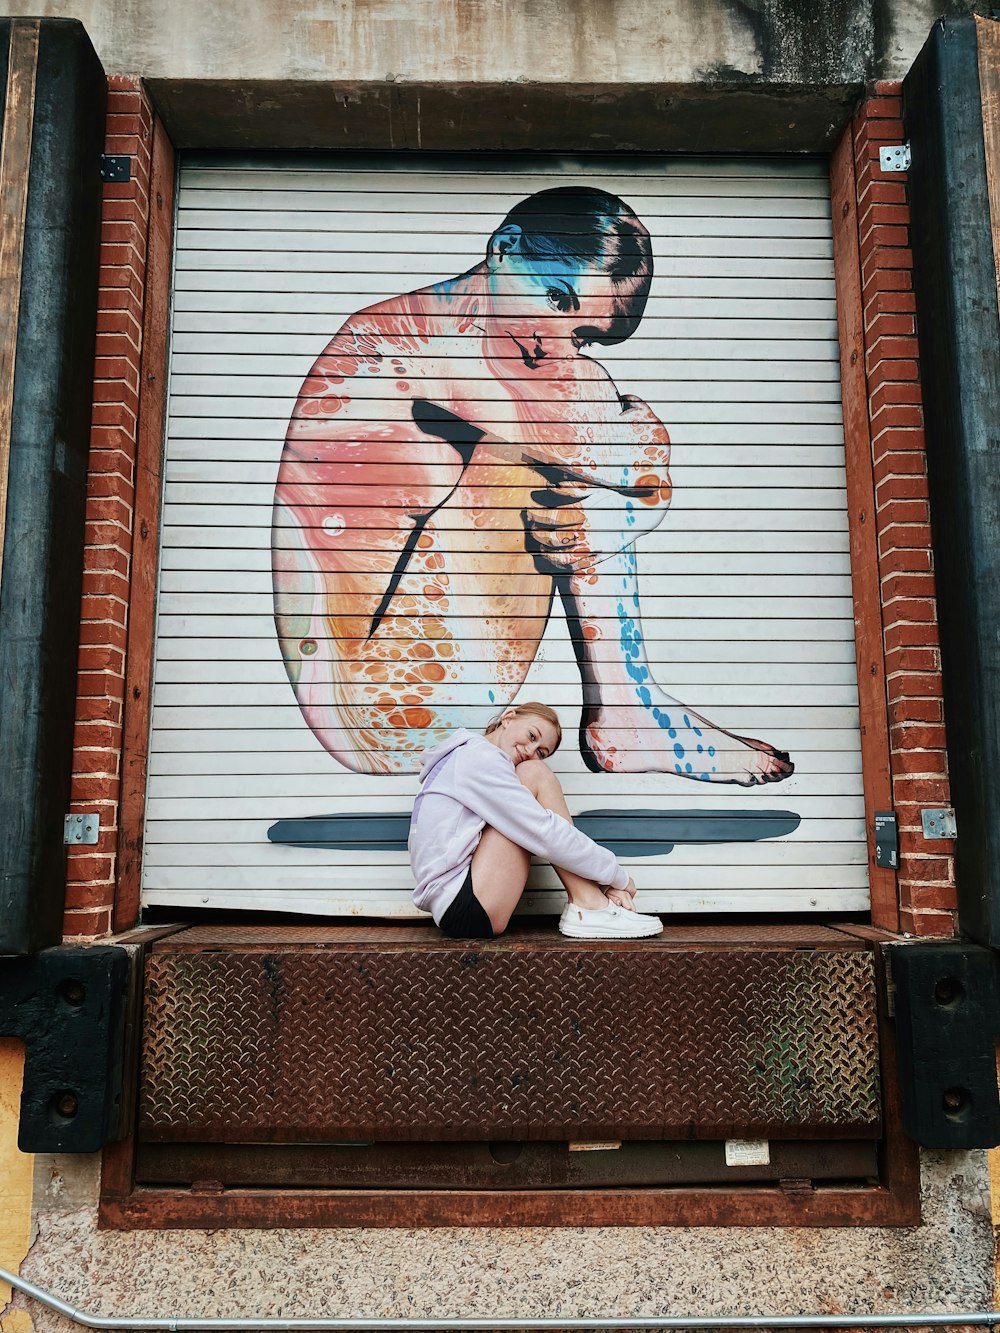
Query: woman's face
546, 308
524, 736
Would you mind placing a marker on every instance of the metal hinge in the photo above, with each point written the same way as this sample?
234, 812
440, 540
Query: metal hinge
116, 168
896, 157
81, 830
938, 823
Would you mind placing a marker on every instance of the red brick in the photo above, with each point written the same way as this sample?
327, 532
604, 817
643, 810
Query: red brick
889, 215
902, 465
101, 658
116, 462
102, 608
891, 325
124, 210
82, 866
118, 321
908, 709
932, 791
87, 925
922, 895
878, 263
114, 368
883, 240
102, 684
101, 485
89, 789
901, 635
887, 103
103, 632
888, 302
906, 447
112, 437
106, 581
896, 280
125, 144
98, 709
113, 520
923, 762
914, 685
878, 190
898, 561
917, 736
99, 762
113, 414
912, 659
123, 232
121, 122
885, 130
892, 349
96, 735
895, 538
896, 416
906, 584
900, 488
926, 924
894, 395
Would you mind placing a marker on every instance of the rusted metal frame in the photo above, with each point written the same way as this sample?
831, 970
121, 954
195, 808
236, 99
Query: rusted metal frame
177, 1323
145, 527
15, 161
893, 1202
868, 635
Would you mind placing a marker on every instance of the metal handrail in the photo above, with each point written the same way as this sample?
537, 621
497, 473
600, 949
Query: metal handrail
179, 1324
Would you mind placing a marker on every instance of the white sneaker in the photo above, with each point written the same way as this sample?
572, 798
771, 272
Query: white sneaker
607, 923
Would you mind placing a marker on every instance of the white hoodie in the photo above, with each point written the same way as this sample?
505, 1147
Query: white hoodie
467, 782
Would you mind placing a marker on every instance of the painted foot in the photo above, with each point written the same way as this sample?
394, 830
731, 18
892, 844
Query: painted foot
687, 746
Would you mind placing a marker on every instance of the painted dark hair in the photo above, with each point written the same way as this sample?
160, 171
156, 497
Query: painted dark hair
602, 231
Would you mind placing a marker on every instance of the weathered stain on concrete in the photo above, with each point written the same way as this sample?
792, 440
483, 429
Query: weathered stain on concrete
548, 41
946, 1263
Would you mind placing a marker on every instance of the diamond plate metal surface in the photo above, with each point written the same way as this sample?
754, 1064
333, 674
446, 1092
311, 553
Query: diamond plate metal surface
544, 1039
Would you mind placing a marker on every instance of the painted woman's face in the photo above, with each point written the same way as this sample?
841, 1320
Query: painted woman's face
548, 308
525, 737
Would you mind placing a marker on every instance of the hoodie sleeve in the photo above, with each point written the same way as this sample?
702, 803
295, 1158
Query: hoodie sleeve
487, 784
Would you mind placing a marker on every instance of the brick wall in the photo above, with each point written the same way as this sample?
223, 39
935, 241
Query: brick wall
104, 613
919, 762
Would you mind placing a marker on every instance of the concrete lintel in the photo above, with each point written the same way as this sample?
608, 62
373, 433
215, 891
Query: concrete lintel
695, 118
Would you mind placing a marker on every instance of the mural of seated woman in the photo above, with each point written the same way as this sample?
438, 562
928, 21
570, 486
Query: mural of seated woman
454, 461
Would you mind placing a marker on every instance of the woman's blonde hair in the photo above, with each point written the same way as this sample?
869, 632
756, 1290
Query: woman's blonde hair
530, 708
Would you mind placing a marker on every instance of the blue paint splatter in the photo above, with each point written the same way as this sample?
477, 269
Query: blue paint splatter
711, 751
492, 697
679, 750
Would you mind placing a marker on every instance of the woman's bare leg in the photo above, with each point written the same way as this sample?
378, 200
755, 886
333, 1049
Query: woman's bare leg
500, 867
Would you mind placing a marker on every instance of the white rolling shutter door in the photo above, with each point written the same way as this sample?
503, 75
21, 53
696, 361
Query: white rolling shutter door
745, 583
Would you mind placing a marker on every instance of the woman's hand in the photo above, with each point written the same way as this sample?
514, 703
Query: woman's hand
623, 897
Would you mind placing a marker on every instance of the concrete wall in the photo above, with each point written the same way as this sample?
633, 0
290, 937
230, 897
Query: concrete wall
557, 41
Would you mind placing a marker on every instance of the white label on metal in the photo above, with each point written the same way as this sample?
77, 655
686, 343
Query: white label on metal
748, 1152
597, 1146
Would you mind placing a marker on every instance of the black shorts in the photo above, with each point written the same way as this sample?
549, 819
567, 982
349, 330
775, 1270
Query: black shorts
465, 918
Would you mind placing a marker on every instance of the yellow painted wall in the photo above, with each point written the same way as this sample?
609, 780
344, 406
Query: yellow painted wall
15, 1180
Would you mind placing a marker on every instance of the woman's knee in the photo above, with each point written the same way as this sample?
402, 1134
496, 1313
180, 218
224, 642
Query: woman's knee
536, 775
